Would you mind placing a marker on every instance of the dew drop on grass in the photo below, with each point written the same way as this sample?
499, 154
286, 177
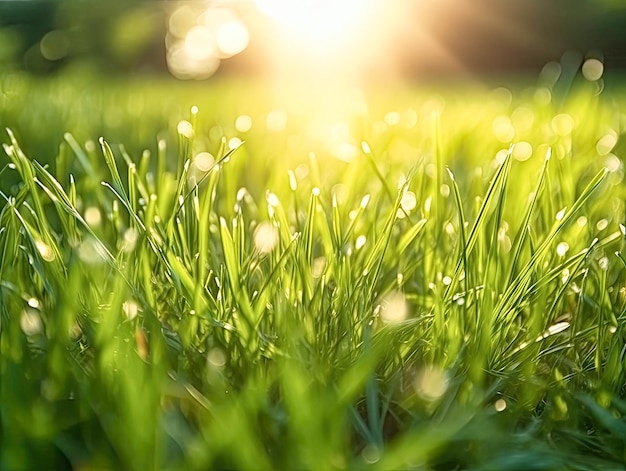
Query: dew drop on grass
565, 274
522, 151
504, 240
559, 215
234, 142
365, 201
216, 358
360, 242
556, 328
592, 70
265, 237
365, 148
394, 308
606, 143
581, 221
603, 263
501, 156
204, 161
293, 182
444, 190
612, 163
30, 322
602, 224
241, 194
272, 199
45, 251
427, 204
92, 216
431, 383
185, 128
562, 248
34, 303
243, 123
370, 454
130, 309
130, 239
401, 181
500, 405
449, 228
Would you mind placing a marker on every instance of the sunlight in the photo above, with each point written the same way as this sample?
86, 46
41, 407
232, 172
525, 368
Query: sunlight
318, 23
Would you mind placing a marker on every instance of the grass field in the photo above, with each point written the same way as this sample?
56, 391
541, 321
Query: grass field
245, 285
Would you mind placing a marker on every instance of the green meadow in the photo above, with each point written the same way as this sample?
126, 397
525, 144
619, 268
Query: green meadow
198, 277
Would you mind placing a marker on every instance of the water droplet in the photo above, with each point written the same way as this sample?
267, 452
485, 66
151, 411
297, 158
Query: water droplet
265, 237
394, 308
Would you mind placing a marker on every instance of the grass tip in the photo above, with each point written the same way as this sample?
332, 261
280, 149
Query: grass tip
365, 201
548, 153
450, 173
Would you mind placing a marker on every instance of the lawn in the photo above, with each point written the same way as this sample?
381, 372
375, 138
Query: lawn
201, 277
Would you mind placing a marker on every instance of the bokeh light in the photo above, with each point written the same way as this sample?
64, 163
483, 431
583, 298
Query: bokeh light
200, 36
232, 38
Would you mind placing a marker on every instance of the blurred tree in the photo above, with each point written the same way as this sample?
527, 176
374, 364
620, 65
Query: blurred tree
113, 36
485, 35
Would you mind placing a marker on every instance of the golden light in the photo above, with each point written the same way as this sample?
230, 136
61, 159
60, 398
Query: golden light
232, 38
319, 23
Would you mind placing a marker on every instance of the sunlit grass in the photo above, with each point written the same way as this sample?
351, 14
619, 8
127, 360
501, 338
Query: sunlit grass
242, 295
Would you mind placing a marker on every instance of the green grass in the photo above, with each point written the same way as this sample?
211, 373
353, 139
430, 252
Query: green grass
427, 305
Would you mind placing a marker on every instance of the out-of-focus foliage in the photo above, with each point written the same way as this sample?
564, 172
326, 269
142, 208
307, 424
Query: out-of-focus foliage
42, 37
484, 35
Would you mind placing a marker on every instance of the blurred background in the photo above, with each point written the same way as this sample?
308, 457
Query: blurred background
366, 39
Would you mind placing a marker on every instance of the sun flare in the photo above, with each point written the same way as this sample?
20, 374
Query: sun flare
318, 22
